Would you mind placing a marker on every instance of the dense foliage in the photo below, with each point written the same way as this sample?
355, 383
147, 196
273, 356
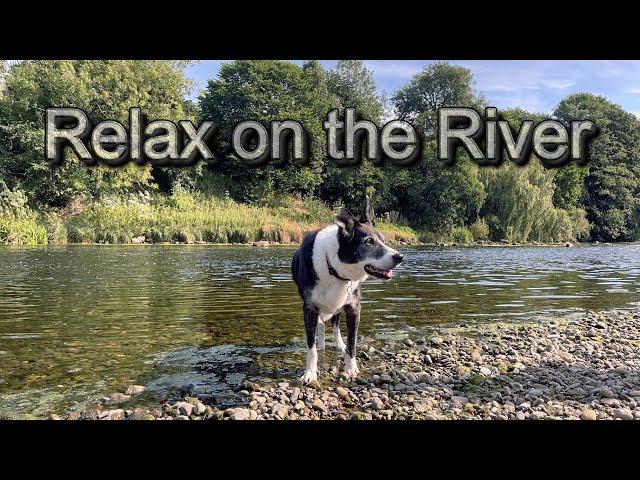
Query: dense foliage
464, 202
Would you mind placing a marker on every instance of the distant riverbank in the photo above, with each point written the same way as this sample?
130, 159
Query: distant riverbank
188, 218
573, 367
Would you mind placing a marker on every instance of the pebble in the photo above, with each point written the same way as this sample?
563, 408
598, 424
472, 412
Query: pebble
241, 414
134, 390
116, 399
606, 393
588, 414
295, 394
319, 405
342, 392
199, 408
185, 408
526, 370
623, 414
377, 404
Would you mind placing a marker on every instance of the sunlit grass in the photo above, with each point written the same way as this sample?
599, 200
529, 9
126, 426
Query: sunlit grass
22, 231
181, 217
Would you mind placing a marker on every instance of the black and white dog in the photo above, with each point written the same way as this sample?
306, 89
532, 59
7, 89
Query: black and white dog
328, 269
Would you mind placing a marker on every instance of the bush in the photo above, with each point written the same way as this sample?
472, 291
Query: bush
397, 233
21, 231
461, 235
479, 230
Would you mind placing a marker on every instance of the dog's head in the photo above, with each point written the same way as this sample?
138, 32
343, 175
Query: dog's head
362, 250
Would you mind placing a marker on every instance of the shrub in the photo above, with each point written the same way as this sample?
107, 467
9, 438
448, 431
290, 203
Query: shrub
461, 235
479, 230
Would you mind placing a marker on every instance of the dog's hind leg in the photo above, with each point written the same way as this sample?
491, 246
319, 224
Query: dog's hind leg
311, 327
337, 338
320, 333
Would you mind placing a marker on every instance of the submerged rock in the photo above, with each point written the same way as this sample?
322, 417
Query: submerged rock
134, 390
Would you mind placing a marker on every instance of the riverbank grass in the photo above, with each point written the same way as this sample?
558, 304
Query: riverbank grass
180, 218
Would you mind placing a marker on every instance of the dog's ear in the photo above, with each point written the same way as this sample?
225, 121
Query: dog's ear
346, 223
368, 215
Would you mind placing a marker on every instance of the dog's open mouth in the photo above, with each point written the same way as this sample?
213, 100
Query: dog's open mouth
378, 272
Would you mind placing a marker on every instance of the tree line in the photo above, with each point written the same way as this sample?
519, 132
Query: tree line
599, 201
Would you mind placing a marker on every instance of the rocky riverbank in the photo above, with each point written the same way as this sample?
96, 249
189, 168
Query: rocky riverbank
576, 367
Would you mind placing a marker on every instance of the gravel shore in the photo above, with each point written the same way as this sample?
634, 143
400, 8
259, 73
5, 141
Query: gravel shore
582, 366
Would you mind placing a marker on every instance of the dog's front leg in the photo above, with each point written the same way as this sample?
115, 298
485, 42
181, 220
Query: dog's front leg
321, 334
310, 327
352, 312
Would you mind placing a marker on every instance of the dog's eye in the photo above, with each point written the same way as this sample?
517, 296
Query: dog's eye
368, 241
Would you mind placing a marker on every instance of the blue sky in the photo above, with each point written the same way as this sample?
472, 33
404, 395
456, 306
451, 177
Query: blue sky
536, 86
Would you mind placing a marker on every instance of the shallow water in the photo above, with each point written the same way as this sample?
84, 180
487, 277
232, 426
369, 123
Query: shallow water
81, 321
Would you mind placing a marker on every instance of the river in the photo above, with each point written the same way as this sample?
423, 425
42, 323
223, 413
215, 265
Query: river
81, 321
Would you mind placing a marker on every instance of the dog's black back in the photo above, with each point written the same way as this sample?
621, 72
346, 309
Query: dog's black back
304, 275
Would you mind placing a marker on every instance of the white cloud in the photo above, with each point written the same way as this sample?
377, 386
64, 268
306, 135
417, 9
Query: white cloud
391, 68
561, 85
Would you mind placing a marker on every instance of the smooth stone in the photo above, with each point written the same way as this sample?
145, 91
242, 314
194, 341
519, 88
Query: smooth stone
116, 399
283, 412
199, 408
184, 408
535, 393
606, 393
342, 392
319, 405
295, 394
623, 414
117, 414
588, 414
241, 414
134, 390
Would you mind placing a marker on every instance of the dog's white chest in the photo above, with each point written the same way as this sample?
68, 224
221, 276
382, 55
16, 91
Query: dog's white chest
330, 296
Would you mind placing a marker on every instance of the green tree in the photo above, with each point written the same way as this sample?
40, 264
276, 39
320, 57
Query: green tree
104, 90
440, 84
267, 90
612, 185
351, 84
429, 194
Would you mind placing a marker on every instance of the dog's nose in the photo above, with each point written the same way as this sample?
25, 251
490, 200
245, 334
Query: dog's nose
398, 257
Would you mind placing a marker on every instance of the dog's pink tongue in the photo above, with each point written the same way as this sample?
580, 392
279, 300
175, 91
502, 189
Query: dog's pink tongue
389, 273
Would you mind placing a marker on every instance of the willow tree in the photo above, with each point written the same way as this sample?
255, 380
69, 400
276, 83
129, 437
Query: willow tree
521, 200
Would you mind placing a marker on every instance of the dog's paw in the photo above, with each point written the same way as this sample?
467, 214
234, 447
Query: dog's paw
351, 367
341, 347
309, 376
